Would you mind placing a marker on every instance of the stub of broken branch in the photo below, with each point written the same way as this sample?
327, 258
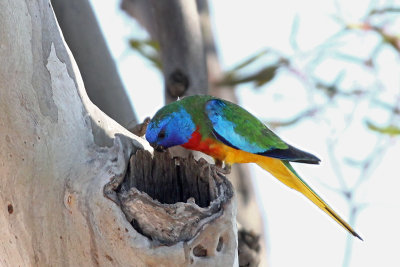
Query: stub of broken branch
140, 128
170, 200
249, 248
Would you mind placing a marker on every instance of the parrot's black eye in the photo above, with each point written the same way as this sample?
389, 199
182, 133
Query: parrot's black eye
161, 135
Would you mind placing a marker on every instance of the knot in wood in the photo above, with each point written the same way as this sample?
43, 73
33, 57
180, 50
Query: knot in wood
177, 83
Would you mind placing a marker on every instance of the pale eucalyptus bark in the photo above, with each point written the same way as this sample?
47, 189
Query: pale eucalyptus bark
61, 160
99, 71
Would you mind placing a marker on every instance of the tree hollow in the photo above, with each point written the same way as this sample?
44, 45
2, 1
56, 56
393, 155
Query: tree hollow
170, 199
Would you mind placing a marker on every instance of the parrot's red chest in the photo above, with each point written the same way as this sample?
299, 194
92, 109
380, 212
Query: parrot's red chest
208, 146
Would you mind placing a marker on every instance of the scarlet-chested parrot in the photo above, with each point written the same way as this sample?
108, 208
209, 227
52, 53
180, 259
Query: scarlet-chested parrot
231, 134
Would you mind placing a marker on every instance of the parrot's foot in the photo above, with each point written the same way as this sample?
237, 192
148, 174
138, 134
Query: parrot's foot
224, 170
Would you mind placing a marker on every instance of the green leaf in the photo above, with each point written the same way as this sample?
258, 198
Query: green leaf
149, 49
260, 78
250, 60
389, 130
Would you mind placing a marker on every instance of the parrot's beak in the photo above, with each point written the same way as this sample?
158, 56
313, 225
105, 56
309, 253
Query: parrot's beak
158, 147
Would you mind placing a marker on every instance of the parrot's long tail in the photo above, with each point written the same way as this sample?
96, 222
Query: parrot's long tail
285, 173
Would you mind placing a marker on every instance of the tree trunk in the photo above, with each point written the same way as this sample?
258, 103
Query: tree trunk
63, 160
176, 26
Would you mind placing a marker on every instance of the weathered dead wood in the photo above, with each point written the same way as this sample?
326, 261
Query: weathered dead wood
249, 248
171, 199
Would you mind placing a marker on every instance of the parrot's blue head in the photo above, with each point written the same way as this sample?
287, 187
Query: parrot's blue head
171, 126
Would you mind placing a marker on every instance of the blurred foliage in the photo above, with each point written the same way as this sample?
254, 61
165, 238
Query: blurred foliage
260, 77
149, 49
377, 21
280, 123
379, 24
389, 130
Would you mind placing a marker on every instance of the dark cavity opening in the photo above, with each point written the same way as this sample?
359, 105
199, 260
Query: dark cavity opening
200, 251
220, 243
10, 208
169, 180
170, 199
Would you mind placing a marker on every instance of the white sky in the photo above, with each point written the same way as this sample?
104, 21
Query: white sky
298, 233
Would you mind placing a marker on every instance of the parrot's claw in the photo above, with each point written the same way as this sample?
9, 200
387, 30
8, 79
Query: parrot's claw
224, 170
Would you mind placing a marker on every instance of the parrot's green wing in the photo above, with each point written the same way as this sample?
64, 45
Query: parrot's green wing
236, 127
